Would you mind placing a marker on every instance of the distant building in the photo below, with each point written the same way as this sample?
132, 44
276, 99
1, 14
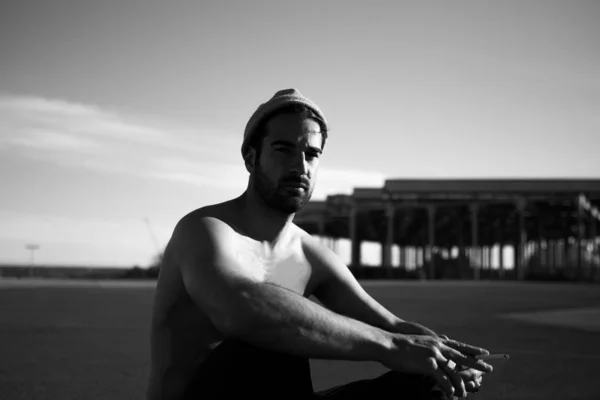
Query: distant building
456, 228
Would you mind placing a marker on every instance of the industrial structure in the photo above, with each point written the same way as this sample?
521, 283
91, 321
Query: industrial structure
451, 228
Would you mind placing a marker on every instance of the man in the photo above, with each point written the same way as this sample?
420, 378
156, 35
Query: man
232, 313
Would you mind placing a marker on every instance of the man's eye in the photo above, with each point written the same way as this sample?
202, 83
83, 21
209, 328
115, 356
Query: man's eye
283, 150
312, 155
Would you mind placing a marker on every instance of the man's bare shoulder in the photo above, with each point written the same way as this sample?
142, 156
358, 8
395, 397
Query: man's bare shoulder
213, 217
206, 228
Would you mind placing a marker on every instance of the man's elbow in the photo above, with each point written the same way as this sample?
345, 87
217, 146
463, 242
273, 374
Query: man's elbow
231, 325
247, 311
233, 321
226, 320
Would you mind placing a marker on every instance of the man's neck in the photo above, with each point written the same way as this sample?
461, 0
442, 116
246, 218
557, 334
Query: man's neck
261, 222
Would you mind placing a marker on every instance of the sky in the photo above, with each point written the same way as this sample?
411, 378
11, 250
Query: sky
119, 117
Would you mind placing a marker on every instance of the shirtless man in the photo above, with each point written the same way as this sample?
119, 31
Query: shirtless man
232, 313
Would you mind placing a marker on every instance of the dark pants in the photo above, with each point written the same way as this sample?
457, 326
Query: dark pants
236, 368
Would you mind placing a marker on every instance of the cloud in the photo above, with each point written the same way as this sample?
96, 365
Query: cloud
46, 139
38, 106
77, 119
85, 136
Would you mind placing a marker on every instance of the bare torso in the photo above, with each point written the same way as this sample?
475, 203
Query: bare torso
182, 336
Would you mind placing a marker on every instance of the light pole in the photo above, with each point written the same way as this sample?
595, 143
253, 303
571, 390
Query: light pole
32, 247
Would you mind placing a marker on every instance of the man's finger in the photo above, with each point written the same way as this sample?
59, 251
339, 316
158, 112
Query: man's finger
466, 348
443, 382
465, 360
471, 387
455, 378
472, 381
470, 374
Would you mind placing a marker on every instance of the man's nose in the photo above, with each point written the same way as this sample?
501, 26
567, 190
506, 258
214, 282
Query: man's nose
299, 165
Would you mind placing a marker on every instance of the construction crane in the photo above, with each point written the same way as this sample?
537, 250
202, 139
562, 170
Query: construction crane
157, 247
152, 235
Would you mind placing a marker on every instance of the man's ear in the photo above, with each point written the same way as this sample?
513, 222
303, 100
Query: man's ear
250, 159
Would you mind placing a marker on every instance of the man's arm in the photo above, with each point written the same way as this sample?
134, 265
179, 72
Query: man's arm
340, 292
241, 305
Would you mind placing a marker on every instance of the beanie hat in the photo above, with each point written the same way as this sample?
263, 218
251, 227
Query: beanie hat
281, 99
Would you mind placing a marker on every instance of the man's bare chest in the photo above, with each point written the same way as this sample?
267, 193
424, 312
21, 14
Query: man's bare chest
287, 267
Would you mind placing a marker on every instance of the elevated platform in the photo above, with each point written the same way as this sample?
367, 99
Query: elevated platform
440, 214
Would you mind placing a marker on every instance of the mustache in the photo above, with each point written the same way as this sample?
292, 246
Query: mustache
296, 181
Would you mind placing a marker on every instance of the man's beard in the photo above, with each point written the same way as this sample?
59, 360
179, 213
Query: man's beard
278, 197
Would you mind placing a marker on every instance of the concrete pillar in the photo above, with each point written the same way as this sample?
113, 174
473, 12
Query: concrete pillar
386, 248
500, 238
564, 253
541, 240
501, 260
566, 261
567, 254
431, 240
592, 223
580, 234
550, 245
417, 252
483, 257
542, 253
414, 257
461, 245
474, 209
402, 257
355, 237
515, 244
521, 240
592, 236
417, 255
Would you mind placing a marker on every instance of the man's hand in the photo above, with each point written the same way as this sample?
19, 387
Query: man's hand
471, 377
431, 356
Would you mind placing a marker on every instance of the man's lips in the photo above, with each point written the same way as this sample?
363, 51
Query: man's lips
296, 185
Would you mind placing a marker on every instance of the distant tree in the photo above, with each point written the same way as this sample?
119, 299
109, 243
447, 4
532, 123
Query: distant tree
155, 264
135, 272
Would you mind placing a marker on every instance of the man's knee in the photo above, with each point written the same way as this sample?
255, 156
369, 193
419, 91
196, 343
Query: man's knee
391, 385
413, 386
236, 366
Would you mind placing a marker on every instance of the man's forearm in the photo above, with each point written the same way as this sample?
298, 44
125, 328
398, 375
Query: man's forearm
279, 319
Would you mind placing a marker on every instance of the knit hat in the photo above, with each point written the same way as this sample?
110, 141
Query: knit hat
281, 99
